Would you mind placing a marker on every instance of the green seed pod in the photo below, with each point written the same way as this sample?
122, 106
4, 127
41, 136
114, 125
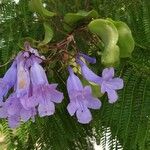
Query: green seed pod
110, 57
108, 33
125, 41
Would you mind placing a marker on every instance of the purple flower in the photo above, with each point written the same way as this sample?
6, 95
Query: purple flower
32, 55
80, 99
13, 121
44, 94
89, 74
3, 111
8, 80
107, 82
31, 91
110, 84
26, 114
23, 79
14, 111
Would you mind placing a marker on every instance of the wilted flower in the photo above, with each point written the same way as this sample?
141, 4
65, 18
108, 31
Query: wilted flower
107, 82
80, 99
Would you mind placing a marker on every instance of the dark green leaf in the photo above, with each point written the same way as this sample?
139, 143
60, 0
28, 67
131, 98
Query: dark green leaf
72, 19
37, 6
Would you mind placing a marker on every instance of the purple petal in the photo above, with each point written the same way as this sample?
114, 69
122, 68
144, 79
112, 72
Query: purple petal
13, 106
73, 82
56, 96
1, 103
72, 108
88, 90
30, 61
73, 95
45, 92
13, 121
27, 114
13, 109
30, 49
112, 95
29, 102
84, 116
23, 80
89, 74
4, 88
38, 75
108, 73
88, 58
103, 87
3, 112
8, 80
34, 54
10, 75
116, 83
46, 109
93, 103
53, 85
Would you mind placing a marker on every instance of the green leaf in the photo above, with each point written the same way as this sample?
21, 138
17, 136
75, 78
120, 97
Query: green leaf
48, 35
72, 19
109, 35
37, 6
125, 41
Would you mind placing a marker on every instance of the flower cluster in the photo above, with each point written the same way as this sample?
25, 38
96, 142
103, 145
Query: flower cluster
81, 97
30, 94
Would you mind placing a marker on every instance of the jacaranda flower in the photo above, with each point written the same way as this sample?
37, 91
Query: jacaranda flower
8, 80
32, 94
80, 99
14, 111
43, 94
107, 82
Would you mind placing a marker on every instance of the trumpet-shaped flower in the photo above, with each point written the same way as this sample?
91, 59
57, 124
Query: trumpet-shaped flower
108, 83
44, 94
8, 80
31, 94
80, 99
14, 111
23, 79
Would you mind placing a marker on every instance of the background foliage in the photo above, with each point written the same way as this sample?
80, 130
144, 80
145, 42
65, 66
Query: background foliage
126, 124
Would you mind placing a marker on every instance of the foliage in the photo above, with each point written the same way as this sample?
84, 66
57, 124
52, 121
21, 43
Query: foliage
125, 123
